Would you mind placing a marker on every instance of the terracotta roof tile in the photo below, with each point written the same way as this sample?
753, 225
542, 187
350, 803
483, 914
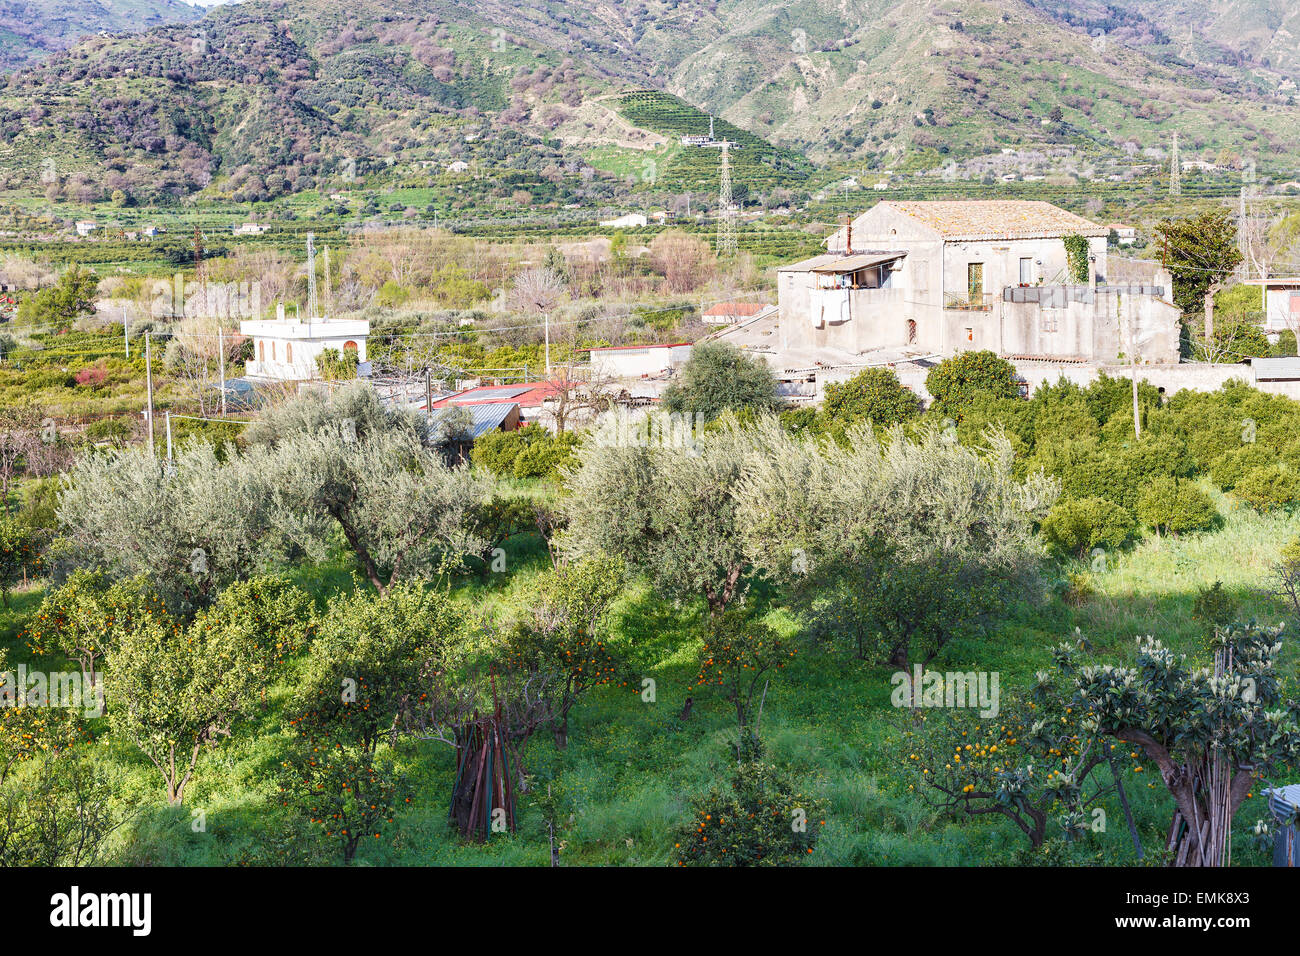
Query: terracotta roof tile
997, 219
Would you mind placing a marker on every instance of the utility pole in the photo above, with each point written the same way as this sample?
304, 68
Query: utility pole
221, 360
1133, 365
148, 385
546, 320
167, 417
311, 277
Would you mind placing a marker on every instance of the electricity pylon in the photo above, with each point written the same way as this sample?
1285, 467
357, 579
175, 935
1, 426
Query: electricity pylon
726, 207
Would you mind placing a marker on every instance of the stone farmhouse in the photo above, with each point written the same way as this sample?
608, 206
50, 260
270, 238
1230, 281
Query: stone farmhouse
942, 277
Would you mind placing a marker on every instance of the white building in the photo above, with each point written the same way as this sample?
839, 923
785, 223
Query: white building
287, 348
729, 313
459, 166
1281, 302
631, 221
639, 361
1125, 235
86, 226
249, 229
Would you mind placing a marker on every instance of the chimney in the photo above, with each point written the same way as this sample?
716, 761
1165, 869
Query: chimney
279, 311
848, 235
1092, 273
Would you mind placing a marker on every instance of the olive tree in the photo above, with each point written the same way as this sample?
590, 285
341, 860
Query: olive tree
402, 510
191, 525
669, 512
902, 543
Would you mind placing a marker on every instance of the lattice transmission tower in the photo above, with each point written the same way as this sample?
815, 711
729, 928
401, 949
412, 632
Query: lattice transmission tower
726, 207
1175, 170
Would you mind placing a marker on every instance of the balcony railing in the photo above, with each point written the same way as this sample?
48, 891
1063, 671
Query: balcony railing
965, 302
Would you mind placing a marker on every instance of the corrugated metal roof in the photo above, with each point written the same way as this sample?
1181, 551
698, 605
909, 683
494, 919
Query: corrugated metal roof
807, 265
855, 262
1276, 369
496, 394
486, 417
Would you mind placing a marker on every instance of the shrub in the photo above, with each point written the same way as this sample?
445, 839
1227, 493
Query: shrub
1230, 467
719, 377
108, 429
1269, 486
92, 376
1214, 606
544, 457
497, 450
1174, 506
874, 394
761, 819
1077, 525
956, 382
1285, 346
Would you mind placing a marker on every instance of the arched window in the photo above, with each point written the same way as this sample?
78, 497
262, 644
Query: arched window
288, 352
273, 351
261, 352
349, 344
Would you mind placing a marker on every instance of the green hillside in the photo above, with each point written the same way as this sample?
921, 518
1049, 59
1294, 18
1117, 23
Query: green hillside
32, 29
583, 103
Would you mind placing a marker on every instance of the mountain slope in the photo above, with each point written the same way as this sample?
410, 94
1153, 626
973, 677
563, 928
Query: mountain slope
286, 95
32, 29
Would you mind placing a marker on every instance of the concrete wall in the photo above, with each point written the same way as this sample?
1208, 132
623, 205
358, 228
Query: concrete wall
278, 350
1197, 376
1277, 308
1171, 379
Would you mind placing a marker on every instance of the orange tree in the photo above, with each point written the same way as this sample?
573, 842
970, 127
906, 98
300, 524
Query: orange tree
28, 729
85, 618
272, 617
564, 634
738, 654
368, 661
18, 553
760, 819
347, 791
1036, 758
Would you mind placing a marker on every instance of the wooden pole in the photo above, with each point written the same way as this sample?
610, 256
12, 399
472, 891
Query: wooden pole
221, 358
148, 384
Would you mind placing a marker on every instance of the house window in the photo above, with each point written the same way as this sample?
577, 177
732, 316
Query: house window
1048, 320
911, 331
261, 352
975, 281
349, 345
272, 351
288, 352
970, 335
1027, 271
1295, 303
